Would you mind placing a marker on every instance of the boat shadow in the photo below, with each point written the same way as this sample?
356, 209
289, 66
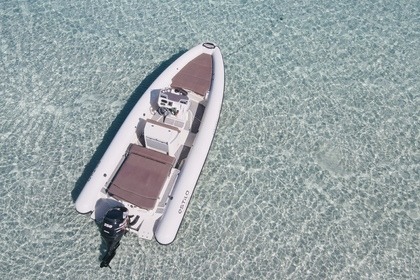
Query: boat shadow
116, 124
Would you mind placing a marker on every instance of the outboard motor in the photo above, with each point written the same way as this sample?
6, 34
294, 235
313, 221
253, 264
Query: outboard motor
114, 226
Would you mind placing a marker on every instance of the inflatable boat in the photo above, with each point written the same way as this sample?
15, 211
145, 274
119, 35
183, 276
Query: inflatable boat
152, 165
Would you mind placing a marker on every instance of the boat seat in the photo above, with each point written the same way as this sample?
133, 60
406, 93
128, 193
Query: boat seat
141, 177
158, 136
151, 154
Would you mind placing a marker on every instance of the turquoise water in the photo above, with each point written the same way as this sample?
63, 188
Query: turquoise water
313, 172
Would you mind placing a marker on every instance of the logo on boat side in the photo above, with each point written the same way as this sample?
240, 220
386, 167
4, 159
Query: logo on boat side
183, 202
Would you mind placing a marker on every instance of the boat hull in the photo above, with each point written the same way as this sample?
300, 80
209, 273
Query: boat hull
167, 226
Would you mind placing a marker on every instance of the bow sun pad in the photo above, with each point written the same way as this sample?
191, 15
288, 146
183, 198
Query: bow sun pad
196, 75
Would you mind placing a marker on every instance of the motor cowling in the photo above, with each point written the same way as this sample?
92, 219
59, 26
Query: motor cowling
114, 226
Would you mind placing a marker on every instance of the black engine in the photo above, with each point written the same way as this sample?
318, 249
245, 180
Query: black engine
114, 226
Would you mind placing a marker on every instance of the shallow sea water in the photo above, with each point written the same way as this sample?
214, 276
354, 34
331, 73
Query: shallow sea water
313, 172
